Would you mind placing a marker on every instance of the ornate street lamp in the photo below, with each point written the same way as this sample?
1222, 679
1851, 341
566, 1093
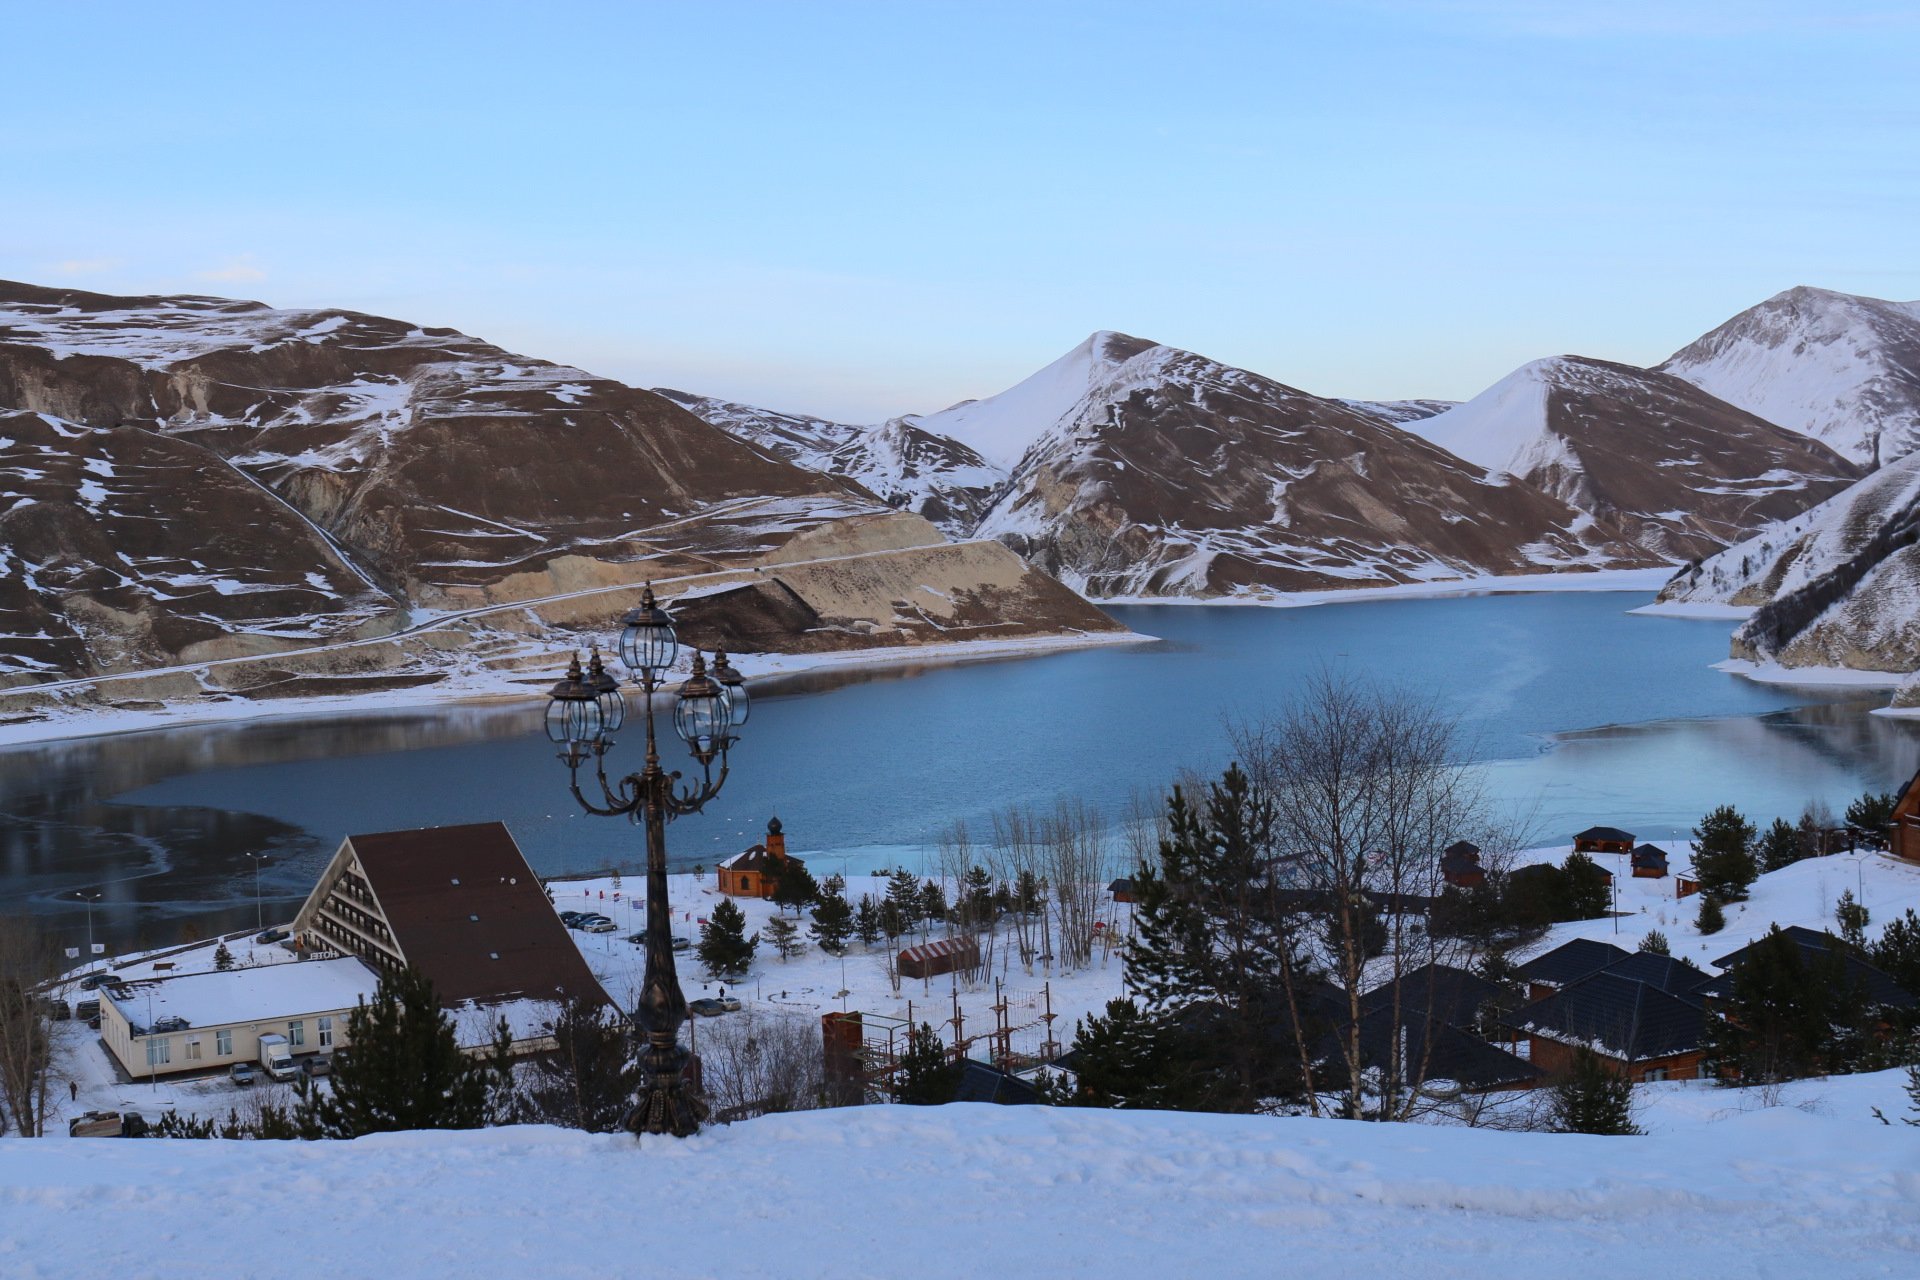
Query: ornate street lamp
583, 710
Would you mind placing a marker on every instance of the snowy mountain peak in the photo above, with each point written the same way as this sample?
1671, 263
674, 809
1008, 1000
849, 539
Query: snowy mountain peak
1003, 427
1839, 367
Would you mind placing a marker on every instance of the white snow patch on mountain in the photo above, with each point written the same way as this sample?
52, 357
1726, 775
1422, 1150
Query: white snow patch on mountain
1003, 427
1501, 428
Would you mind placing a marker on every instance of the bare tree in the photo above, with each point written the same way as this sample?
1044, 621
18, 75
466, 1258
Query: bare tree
1367, 786
756, 1063
28, 958
1073, 841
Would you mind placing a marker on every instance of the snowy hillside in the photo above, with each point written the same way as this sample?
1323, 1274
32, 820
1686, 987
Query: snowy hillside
903, 464
1722, 1186
1684, 473
1838, 586
1841, 368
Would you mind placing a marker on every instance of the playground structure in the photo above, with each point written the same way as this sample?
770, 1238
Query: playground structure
867, 1048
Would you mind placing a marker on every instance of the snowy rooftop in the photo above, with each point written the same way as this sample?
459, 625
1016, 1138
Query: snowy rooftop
249, 995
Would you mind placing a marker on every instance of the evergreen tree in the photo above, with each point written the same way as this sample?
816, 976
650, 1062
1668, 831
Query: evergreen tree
784, 934
925, 1077
866, 920
1588, 893
794, 886
1723, 854
904, 900
976, 899
725, 949
1781, 846
1029, 899
1852, 918
588, 1079
1898, 951
404, 1069
933, 901
1591, 1098
222, 958
1792, 1013
1712, 919
1130, 1059
1873, 813
1655, 943
833, 921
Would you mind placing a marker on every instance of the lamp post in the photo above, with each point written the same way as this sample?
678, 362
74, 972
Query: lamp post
583, 710
259, 925
89, 899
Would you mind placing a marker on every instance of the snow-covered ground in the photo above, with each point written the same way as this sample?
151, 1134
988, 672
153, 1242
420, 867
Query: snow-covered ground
1720, 1187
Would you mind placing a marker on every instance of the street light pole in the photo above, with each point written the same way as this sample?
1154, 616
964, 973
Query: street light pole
259, 920
89, 899
583, 710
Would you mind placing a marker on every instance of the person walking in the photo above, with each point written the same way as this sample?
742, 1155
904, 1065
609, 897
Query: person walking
73, 1090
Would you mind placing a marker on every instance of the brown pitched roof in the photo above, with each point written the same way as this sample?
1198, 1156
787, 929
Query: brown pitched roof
469, 913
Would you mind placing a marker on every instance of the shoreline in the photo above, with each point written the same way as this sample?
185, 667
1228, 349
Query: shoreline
472, 689
1484, 585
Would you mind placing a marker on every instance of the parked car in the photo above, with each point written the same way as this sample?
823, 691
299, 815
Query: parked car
730, 1004
271, 935
55, 1008
88, 1011
319, 1064
96, 1124
572, 919
94, 981
242, 1073
683, 944
638, 939
600, 924
709, 1007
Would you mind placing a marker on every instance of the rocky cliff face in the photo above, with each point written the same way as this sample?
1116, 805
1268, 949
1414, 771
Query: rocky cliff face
1838, 585
1679, 472
1840, 368
187, 477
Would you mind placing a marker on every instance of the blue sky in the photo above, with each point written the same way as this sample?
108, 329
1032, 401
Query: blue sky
866, 209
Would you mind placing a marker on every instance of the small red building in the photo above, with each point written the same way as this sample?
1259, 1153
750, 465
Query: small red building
1460, 865
1649, 862
1903, 832
931, 959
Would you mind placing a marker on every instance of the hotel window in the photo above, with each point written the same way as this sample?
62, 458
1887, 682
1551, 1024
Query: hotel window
1655, 1073
296, 1034
223, 1043
159, 1051
326, 1033
193, 1050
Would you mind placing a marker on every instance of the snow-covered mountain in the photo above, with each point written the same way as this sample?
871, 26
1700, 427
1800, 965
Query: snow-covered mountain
1682, 472
1166, 473
184, 478
904, 465
1838, 585
1841, 368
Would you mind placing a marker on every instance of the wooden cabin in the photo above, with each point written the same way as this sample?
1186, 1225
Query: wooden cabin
1603, 840
754, 873
1123, 890
1649, 862
1460, 865
1903, 831
931, 959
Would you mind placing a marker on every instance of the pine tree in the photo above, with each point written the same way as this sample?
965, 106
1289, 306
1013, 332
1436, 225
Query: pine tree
1588, 892
1723, 854
1591, 1098
933, 901
903, 896
925, 1078
976, 898
833, 921
222, 958
1655, 943
1711, 918
794, 886
1791, 1013
1898, 951
588, 1079
1852, 918
725, 949
404, 1069
1121, 1060
1781, 846
1873, 813
1029, 899
784, 934
866, 920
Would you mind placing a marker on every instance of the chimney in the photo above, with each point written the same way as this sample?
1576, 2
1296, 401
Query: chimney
776, 839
